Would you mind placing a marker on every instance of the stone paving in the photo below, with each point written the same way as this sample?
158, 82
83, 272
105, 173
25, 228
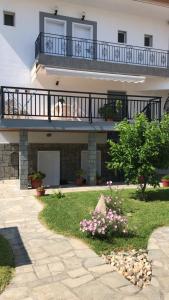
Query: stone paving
50, 266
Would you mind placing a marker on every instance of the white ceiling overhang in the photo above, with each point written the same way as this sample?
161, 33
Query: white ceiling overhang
158, 9
94, 75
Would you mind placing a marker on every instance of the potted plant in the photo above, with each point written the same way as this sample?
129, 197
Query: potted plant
141, 179
98, 179
36, 179
61, 100
165, 181
40, 191
111, 111
80, 180
106, 112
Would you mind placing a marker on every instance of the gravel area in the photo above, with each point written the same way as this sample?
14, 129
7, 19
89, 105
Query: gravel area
134, 265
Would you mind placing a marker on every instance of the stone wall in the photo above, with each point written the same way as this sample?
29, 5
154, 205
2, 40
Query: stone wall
70, 155
70, 159
23, 159
9, 161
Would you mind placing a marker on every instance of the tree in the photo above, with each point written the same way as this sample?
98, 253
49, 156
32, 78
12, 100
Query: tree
143, 148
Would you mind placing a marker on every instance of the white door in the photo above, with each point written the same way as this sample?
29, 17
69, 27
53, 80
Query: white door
84, 162
54, 38
49, 163
82, 40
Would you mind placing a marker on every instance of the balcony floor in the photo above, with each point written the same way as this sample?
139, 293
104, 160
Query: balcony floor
57, 125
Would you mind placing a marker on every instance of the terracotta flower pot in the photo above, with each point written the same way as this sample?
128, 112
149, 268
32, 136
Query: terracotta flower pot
40, 193
36, 183
79, 181
99, 181
165, 182
141, 179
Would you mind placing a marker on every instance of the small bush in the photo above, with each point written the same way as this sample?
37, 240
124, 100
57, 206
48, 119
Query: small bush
114, 201
109, 222
104, 225
59, 195
166, 177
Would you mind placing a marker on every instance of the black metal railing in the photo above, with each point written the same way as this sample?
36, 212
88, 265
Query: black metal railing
59, 45
59, 105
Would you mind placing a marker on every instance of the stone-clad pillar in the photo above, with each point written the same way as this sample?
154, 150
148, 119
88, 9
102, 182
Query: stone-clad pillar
92, 157
23, 159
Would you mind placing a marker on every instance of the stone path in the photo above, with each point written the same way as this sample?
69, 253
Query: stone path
72, 189
53, 267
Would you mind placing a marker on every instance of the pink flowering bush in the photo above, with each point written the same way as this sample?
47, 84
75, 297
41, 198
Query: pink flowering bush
110, 222
102, 225
114, 201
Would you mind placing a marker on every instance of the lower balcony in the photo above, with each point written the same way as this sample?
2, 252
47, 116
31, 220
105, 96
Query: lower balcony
54, 105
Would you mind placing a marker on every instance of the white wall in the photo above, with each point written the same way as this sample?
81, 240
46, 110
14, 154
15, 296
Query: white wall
96, 85
153, 86
7, 137
17, 44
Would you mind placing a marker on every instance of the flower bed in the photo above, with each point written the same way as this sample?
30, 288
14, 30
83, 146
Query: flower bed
107, 217
103, 225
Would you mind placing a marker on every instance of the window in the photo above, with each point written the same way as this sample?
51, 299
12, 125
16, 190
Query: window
122, 37
9, 18
148, 40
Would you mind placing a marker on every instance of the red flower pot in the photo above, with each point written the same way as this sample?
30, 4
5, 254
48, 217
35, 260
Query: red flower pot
165, 182
40, 193
79, 181
141, 179
99, 181
36, 183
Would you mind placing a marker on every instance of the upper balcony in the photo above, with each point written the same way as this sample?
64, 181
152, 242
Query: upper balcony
99, 56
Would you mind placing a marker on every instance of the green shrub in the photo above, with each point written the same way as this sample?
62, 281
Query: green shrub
166, 177
37, 175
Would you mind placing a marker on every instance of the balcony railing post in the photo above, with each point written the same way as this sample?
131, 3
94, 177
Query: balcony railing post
90, 108
168, 60
38, 46
2, 103
42, 42
69, 46
125, 107
95, 50
159, 113
49, 106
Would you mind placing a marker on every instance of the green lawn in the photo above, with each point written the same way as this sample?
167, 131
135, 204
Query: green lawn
64, 215
6, 263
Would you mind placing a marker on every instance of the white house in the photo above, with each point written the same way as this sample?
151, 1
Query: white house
70, 70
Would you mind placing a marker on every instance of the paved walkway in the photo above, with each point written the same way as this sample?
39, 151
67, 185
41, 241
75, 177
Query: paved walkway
52, 267
72, 189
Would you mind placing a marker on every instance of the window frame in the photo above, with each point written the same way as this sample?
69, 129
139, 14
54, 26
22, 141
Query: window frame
9, 13
150, 36
125, 36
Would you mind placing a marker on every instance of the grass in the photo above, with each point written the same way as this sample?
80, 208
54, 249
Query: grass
6, 263
64, 215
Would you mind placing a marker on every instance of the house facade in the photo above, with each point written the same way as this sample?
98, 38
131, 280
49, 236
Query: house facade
70, 70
